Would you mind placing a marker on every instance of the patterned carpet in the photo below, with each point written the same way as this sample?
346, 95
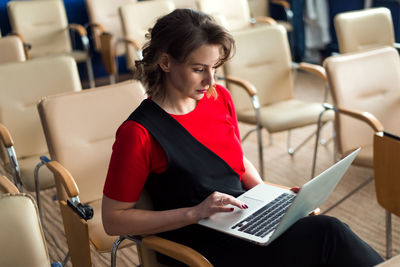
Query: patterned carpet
361, 212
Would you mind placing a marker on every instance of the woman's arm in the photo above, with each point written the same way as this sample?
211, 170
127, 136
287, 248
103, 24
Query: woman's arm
250, 177
122, 218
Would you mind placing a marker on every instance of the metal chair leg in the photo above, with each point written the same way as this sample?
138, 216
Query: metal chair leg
116, 246
114, 250
37, 187
388, 235
317, 134
90, 73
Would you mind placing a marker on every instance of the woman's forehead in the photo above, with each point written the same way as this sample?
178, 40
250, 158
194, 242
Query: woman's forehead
205, 55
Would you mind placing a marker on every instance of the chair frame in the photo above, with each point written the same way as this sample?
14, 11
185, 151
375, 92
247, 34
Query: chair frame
365, 117
76, 223
8, 143
250, 89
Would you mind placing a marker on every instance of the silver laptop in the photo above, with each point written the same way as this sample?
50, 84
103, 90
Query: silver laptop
272, 210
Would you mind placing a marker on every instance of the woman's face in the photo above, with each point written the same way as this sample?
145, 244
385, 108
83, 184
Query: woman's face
192, 78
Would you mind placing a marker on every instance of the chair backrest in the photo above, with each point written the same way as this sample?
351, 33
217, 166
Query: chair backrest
232, 14
263, 58
192, 4
105, 13
11, 49
387, 171
137, 18
22, 242
43, 24
80, 130
22, 86
366, 81
364, 29
259, 8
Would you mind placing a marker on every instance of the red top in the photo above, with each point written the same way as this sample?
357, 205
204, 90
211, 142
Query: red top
136, 153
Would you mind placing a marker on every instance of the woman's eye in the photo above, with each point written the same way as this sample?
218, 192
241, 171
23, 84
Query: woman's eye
198, 70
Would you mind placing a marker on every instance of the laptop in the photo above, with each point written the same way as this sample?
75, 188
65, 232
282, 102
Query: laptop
272, 210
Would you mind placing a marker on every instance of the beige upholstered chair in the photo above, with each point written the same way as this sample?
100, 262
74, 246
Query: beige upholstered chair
80, 152
232, 14
365, 83
44, 25
104, 19
364, 29
22, 86
22, 241
136, 19
192, 4
11, 49
263, 58
260, 8
393, 262
387, 179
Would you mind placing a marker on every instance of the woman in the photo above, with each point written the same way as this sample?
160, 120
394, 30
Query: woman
183, 145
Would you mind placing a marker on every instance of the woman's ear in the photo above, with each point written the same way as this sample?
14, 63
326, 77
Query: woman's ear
165, 62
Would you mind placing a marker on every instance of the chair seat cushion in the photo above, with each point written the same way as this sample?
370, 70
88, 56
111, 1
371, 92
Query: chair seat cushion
102, 241
286, 115
27, 166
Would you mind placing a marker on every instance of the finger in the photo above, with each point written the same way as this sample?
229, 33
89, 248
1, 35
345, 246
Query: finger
295, 189
235, 202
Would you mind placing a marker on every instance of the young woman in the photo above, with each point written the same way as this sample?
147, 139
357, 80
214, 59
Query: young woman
183, 145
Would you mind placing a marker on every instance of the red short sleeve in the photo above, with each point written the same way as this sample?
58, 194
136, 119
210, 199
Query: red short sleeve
135, 154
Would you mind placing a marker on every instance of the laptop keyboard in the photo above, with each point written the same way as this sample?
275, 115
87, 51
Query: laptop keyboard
266, 219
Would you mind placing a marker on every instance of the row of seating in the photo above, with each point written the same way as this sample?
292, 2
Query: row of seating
61, 126
77, 170
44, 26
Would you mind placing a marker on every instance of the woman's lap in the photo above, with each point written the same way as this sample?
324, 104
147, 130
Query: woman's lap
312, 241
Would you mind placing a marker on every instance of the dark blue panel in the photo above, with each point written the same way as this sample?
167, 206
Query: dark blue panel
394, 7
335, 7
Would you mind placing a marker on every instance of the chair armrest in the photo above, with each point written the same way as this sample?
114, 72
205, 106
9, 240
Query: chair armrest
314, 69
283, 3
286, 8
108, 52
7, 186
267, 20
96, 25
5, 136
247, 86
131, 42
82, 33
364, 116
27, 46
78, 28
64, 177
277, 185
175, 250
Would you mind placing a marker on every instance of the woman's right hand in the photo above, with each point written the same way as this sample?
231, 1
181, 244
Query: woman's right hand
216, 202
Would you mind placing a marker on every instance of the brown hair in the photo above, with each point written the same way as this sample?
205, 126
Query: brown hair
178, 34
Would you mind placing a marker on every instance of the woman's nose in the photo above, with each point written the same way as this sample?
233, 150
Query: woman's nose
209, 79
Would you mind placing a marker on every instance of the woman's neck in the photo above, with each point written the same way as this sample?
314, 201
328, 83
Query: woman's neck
174, 103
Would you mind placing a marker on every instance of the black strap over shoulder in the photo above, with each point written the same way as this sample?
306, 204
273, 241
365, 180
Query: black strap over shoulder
193, 172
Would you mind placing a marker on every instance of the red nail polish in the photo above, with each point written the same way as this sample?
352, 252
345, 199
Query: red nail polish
231, 209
